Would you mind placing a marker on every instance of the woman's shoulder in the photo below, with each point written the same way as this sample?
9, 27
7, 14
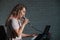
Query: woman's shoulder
13, 19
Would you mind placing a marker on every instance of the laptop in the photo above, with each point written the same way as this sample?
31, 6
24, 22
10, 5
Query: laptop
44, 34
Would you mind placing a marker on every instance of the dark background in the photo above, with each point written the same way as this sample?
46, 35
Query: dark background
40, 13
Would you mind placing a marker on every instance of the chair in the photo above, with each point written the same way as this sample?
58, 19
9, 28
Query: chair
3, 35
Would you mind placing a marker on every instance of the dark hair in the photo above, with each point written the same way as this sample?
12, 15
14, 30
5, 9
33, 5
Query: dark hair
18, 7
14, 11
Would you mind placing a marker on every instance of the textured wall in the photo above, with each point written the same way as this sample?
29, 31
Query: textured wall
40, 13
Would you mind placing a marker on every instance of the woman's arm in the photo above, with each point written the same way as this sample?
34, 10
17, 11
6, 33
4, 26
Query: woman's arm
22, 26
28, 35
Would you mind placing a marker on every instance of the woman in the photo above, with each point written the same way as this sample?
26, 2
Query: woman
17, 21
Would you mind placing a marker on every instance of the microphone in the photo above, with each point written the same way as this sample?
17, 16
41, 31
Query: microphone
25, 18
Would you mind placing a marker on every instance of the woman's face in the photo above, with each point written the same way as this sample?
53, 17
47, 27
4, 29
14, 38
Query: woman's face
22, 13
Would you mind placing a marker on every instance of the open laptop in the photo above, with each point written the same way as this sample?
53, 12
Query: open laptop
45, 34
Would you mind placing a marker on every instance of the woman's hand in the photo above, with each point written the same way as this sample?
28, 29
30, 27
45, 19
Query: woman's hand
26, 21
34, 34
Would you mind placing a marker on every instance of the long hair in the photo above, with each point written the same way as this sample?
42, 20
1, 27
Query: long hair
14, 12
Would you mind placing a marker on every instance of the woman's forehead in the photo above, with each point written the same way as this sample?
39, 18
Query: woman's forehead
24, 9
